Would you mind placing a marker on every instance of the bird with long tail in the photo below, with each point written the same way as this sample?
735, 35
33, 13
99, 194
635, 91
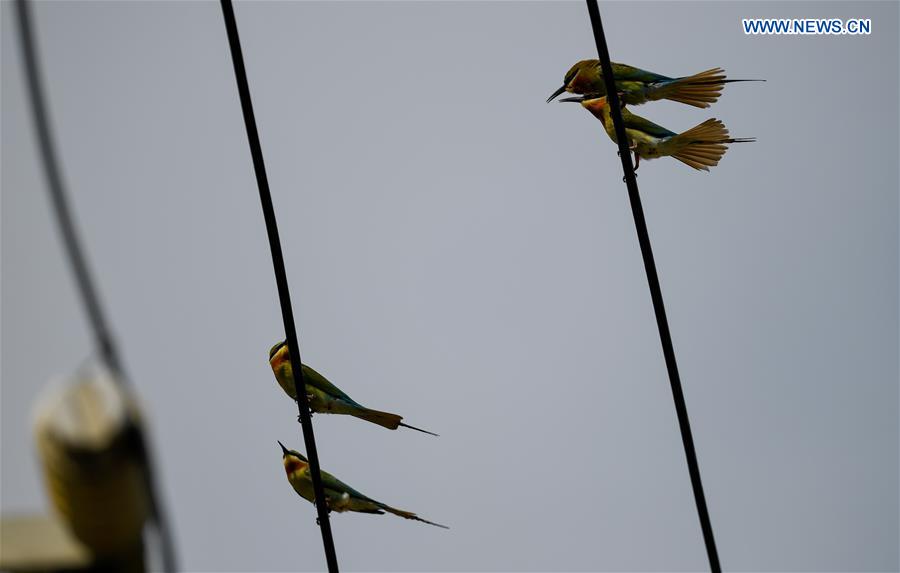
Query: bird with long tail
339, 496
326, 398
637, 86
700, 147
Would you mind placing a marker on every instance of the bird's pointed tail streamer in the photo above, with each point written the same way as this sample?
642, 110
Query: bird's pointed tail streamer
410, 515
419, 429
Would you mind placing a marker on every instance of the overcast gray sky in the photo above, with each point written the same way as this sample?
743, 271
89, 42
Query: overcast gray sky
463, 254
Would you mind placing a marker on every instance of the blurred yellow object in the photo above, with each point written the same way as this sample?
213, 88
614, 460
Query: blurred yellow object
89, 441
39, 543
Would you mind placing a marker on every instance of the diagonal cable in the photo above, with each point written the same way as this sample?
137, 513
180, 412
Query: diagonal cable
655, 291
284, 295
103, 338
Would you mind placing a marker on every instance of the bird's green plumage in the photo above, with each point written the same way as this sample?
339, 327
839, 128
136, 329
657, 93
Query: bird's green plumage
645, 125
326, 397
285, 376
336, 485
624, 72
316, 380
700, 147
586, 77
637, 86
339, 496
636, 127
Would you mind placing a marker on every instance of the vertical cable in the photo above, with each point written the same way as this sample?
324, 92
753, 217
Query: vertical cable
659, 308
103, 338
284, 295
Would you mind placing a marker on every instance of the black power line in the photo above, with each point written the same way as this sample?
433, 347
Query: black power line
655, 292
284, 295
103, 338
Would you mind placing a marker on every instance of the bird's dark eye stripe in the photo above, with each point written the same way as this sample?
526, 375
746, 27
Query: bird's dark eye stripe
275, 350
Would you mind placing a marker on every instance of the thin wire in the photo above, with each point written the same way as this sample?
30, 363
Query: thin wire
103, 338
284, 294
655, 291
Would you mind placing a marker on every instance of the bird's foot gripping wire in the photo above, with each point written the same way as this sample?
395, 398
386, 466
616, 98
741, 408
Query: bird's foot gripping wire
637, 161
309, 399
319, 522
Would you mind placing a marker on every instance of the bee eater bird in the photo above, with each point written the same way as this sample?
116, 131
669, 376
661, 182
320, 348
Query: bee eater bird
339, 496
637, 86
700, 147
325, 397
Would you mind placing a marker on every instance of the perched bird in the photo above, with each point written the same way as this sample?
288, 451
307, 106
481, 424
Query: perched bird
637, 86
325, 397
701, 147
339, 496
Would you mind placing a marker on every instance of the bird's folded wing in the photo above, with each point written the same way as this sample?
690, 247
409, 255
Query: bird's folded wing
333, 483
639, 123
316, 380
626, 72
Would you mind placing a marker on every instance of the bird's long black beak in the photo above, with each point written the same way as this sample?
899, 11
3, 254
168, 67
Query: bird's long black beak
284, 450
576, 99
556, 93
